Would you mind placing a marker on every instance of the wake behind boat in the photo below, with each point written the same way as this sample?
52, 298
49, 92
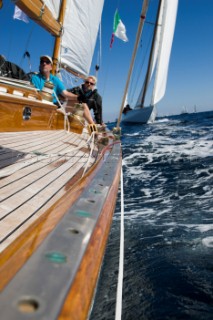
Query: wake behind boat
59, 180
158, 62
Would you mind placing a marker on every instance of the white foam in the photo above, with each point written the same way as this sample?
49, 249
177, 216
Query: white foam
146, 192
131, 156
204, 227
136, 170
162, 120
200, 227
200, 147
133, 134
208, 242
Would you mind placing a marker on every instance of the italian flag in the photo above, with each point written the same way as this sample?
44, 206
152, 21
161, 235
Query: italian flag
119, 29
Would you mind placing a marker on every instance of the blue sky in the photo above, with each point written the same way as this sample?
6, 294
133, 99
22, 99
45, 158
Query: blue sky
190, 78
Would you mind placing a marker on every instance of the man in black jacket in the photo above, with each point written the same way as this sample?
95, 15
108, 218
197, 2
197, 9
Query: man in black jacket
86, 93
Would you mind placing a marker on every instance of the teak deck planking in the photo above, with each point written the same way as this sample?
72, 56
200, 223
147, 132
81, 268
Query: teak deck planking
40, 166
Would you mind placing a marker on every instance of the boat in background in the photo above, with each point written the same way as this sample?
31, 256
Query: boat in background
59, 179
184, 110
157, 65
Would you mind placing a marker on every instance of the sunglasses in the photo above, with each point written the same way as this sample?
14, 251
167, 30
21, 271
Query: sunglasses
87, 82
45, 61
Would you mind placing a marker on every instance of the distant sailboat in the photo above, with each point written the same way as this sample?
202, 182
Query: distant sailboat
184, 110
158, 61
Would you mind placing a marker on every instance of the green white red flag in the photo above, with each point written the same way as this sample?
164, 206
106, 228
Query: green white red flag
119, 29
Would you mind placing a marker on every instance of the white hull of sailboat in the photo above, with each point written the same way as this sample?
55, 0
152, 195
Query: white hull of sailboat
142, 115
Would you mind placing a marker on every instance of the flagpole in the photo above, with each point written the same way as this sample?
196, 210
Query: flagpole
140, 28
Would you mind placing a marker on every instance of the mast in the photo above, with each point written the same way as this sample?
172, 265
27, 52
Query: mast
58, 38
151, 56
138, 35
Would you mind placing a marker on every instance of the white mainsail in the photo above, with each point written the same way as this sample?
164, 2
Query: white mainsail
81, 26
53, 6
162, 50
79, 31
158, 63
155, 53
166, 38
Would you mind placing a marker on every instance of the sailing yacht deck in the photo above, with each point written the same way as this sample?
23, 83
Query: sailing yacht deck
36, 168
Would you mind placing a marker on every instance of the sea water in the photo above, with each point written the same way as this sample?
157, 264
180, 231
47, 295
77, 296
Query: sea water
168, 209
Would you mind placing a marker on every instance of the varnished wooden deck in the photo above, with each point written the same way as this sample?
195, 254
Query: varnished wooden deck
35, 168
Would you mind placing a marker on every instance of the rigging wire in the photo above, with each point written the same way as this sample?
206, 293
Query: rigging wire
5, 6
136, 76
108, 64
106, 76
134, 80
99, 54
27, 44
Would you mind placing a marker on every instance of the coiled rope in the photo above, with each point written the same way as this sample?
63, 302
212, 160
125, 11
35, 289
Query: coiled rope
121, 258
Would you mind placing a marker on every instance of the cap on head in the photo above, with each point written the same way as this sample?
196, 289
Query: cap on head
48, 58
